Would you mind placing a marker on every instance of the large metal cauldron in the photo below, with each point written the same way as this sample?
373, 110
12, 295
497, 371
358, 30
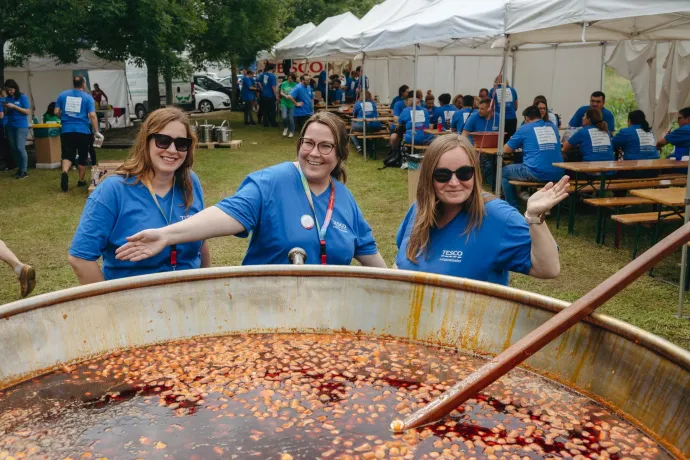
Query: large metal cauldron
640, 375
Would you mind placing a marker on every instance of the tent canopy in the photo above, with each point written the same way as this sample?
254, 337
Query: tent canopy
297, 32
331, 28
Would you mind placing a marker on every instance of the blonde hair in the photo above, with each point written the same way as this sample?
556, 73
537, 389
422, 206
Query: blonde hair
339, 131
429, 208
138, 163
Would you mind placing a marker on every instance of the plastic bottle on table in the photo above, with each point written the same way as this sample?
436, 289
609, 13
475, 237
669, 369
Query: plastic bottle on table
440, 125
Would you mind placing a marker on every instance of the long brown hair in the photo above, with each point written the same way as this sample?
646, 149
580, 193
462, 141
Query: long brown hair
594, 116
138, 163
429, 208
542, 99
339, 131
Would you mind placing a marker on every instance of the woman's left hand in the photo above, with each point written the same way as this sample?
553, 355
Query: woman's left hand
9, 105
548, 197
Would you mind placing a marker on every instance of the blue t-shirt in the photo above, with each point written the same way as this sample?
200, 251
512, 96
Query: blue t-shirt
75, 106
117, 209
606, 115
271, 203
511, 99
371, 110
351, 89
399, 107
323, 77
247, 94
258, 80
541, 147
488, 253
3, 120
637, 144
359, 82
268, 83
680, 138
335, 95
595, 145
16, 119
460, 118
395, 101
477, 124
446, 113
420, 136
303, 94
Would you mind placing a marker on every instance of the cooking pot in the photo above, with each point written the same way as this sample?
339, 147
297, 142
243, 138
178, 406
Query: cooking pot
223, 134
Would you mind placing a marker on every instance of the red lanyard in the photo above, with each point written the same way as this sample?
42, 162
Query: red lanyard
168, 220
321, 230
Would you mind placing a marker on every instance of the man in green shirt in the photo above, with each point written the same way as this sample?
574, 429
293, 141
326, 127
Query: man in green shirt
287, 104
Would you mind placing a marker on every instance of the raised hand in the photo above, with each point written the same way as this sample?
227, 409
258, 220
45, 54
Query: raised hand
142, 245
548, 197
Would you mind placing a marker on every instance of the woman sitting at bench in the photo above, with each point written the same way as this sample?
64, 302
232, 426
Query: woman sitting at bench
637, 143
593, 139
371, 112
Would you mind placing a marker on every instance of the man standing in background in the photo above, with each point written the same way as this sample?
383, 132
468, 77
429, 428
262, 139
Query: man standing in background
248, 95
269, 96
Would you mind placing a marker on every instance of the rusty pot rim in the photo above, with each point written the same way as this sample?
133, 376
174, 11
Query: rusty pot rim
674, 353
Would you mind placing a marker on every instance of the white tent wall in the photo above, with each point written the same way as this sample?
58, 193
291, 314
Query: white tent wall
114, 84
475, 72
566, 76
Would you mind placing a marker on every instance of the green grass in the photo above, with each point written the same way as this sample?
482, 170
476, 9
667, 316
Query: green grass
38, 221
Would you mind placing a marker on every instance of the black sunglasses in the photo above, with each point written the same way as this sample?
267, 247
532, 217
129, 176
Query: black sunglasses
444, 175
163, 141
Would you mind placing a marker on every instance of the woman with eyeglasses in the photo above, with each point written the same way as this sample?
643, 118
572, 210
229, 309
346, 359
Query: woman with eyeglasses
155, 187
456, 229
303, 204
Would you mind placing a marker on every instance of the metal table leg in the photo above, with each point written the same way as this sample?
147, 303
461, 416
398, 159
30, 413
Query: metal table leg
602, 191
573, 199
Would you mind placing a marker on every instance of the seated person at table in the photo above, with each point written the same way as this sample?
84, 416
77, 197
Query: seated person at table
458, 101
371, 112
457, 123
335, 94
636, 140
593, 139
455, 229
680, 138
445, 111
402, 104
401, 127
49, 116
546, 114
596, 101
402, 91
541, 147
155, 187
485, 120
429, 104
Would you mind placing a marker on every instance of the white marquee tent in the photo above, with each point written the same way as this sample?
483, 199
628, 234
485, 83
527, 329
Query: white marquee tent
330, 28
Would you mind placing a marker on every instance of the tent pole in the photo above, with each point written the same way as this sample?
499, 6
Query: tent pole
502, 121
603, 65
514, 66
414, 102
363, 93
684, 257
455, 63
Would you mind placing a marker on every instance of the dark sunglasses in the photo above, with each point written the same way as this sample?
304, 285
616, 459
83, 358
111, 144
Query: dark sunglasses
444, 175
163, 141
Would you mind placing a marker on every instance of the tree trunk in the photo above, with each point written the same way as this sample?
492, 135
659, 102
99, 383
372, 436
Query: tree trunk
2, 61
154, 94
168, 89
233, 76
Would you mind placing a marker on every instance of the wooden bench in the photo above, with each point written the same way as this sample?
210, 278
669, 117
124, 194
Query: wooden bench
617, 204
376, 135
646, 219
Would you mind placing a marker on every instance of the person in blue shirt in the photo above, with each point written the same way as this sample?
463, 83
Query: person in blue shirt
154, 187
303, 204
593, 139
421, 122
269, 96
637, 140
456, 229
402, 104
402, 91
445, 111
541, 147
303, 95
485, 120
322, 83
358, 82
371, 112
351, 86
680, 138
248, 95
17, 107
547, 115
459, 101
460, 117
5, 149
257, 102
335, 94
77, 111
511, 104
596, 101
429, 101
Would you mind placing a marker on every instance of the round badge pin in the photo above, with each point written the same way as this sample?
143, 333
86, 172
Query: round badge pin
307, 221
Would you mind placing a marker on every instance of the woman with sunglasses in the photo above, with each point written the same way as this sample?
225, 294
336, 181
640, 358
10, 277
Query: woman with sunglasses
456, 229
294, 204
154, 187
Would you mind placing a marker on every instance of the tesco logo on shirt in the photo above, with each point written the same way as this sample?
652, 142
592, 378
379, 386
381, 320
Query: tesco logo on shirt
340, 226
451, 256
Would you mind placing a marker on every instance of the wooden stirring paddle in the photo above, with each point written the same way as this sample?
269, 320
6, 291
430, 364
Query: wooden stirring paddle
535, 340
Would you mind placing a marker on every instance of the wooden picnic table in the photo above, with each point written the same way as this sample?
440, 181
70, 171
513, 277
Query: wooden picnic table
383, 119
591, 169
672, 198
436, 133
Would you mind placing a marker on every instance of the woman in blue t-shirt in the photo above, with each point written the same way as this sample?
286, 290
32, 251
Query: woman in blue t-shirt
593, 139
371, 112
154, 187
303, 204
17, 107
637, 142
456, 229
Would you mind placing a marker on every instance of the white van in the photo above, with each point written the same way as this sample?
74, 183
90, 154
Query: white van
183, 92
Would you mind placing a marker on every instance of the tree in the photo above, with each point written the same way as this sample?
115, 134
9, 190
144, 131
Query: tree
303, 11
39, 27
150, 32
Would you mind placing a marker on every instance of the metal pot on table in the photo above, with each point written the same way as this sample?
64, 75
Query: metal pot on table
206, 133
223, 134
